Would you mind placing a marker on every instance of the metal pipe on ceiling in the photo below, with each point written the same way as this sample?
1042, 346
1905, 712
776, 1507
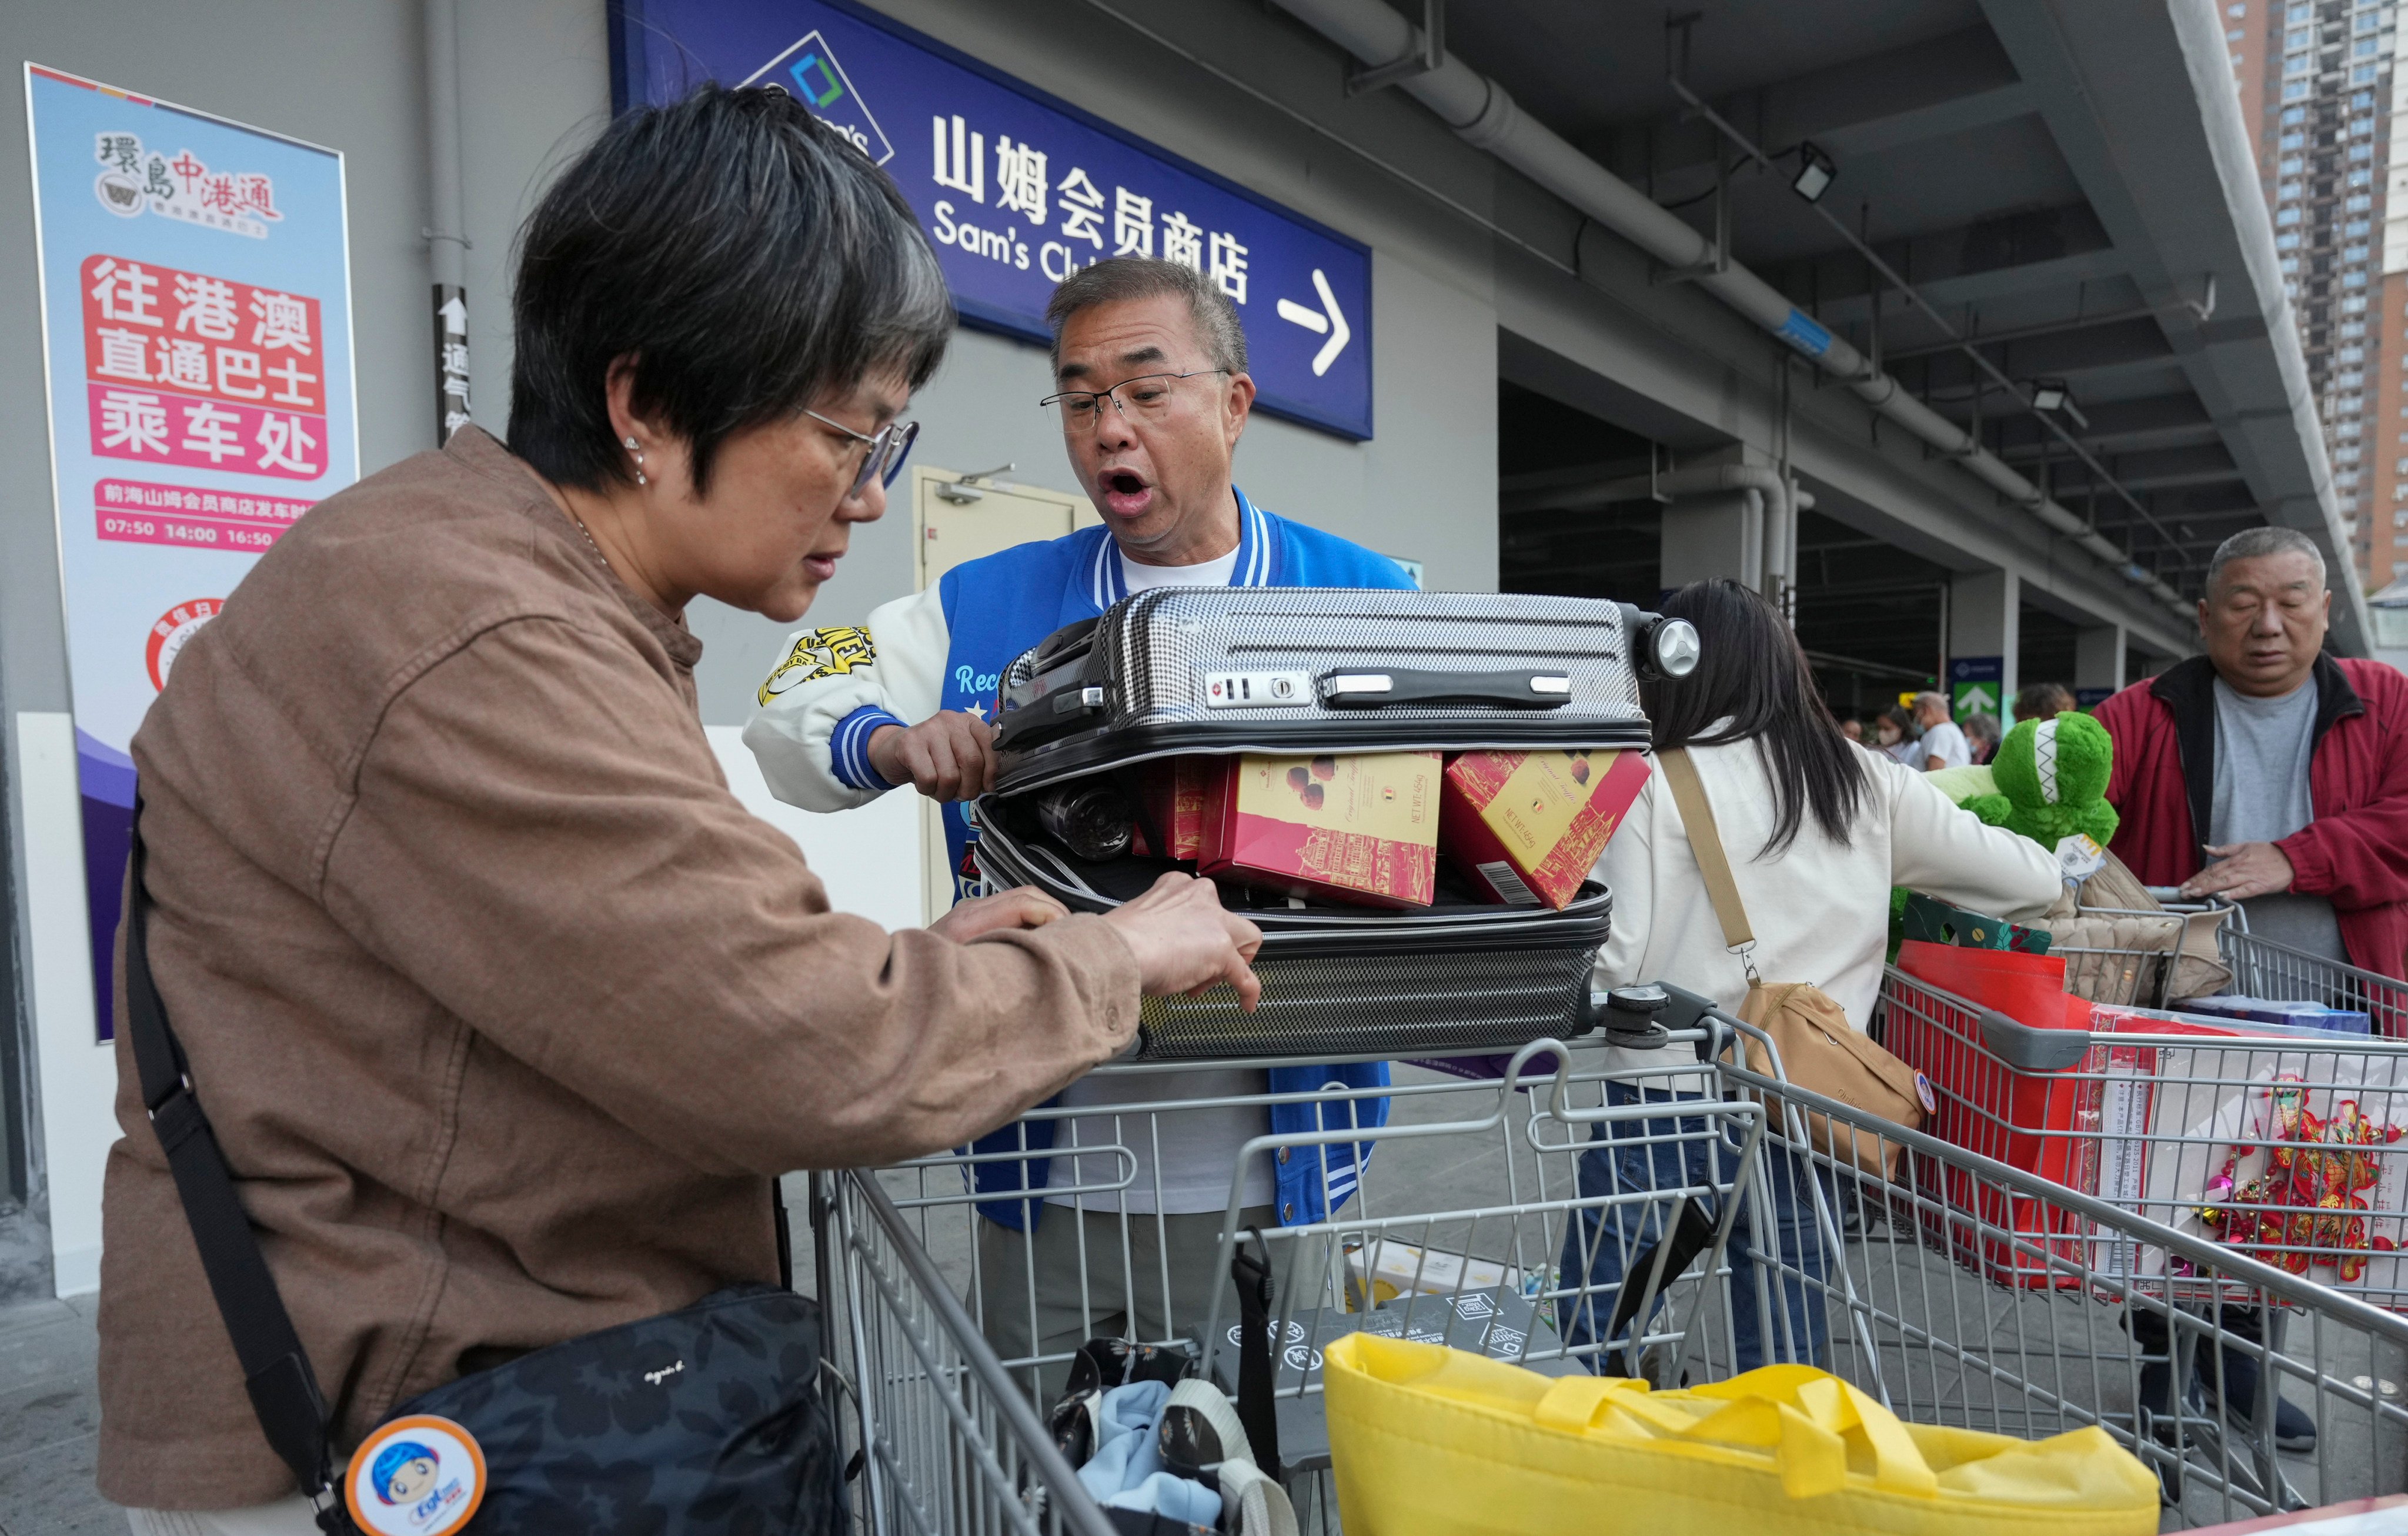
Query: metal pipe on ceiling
1486, 116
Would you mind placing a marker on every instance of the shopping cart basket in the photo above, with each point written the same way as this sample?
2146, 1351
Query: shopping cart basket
944, 1441
1456, 1232
2285, 1144
2261, 968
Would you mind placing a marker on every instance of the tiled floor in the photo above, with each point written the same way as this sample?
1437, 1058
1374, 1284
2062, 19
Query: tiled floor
49, 1412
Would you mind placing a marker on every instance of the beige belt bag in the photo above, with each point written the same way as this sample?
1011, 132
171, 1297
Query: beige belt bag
1820, 1051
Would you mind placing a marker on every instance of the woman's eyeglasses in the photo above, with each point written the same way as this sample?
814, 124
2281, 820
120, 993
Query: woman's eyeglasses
888, 447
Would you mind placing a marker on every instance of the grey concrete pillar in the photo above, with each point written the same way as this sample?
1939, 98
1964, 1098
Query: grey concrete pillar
1984, 630
2098, 658
1715, 534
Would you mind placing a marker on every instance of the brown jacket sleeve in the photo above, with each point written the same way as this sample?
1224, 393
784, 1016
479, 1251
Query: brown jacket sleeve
543, 842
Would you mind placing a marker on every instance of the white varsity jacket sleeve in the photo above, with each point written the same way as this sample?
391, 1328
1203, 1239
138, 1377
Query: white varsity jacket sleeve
830, 688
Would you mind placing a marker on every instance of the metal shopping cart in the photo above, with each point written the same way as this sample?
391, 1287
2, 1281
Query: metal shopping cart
1456, 1233
2274, 1142
2262, 968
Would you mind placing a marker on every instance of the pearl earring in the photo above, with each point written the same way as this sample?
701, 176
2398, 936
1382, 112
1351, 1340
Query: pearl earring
639, 460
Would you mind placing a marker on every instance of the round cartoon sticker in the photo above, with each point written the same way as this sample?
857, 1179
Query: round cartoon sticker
173, 628
1923, 1091
415, 1476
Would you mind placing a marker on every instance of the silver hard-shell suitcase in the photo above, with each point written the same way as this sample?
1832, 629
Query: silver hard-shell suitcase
1296, 670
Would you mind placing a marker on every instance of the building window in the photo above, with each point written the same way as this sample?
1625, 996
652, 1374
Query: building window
2364, 73
2294, 115
2358, 229
2362, 151
2287, 216
2295, 141
2350, 354
2353, 280
2364, 49
2287, 242
2353, 253
2290, 165
2288, 191
2236, 10
2300, 37
2345, 454
2360, 202
2363, 178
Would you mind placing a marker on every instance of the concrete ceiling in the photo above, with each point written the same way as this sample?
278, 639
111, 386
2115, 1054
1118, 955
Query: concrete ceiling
2058, 178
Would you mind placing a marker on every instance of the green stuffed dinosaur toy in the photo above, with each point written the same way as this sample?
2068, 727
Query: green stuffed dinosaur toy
2052, 780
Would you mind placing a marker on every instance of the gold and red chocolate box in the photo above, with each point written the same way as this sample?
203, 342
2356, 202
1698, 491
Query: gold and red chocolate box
1525, 828
1358, 827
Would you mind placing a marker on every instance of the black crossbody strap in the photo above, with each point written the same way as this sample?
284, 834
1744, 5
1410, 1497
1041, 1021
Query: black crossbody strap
283, 1389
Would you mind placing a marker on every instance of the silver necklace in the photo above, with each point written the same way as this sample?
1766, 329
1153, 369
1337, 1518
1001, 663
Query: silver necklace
589, 541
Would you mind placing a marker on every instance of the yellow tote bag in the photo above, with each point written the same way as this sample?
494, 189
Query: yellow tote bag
1434, 1442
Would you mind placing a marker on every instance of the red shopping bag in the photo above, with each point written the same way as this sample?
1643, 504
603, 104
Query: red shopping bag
2026, 988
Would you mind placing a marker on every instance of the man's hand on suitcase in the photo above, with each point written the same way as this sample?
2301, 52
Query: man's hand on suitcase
948, 756
1185, 940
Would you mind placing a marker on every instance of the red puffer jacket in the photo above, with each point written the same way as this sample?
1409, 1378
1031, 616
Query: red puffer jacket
2355, 853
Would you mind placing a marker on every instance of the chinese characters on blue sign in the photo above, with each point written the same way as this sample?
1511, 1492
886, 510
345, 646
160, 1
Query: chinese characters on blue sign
1018, 190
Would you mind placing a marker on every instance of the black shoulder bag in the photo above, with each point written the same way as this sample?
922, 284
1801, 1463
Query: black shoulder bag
704, 1420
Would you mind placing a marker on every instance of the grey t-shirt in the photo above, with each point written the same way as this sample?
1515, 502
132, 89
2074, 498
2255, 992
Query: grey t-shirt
2262, 747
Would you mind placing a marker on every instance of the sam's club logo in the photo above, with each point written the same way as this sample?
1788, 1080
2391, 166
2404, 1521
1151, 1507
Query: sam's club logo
809, 70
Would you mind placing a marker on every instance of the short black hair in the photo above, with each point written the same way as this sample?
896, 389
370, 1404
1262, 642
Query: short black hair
1121, 279
746, 257
1752, 673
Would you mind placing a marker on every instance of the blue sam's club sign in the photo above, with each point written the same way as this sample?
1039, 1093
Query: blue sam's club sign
1018, 189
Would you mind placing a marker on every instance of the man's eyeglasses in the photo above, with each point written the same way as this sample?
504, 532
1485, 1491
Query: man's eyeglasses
888, 447
1145, 399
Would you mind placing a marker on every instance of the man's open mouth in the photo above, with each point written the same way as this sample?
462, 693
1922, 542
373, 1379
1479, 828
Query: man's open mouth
1126, 493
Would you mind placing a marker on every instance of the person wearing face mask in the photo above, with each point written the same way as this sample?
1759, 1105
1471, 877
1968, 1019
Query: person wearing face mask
505, 1014
1150, 390
1894, 734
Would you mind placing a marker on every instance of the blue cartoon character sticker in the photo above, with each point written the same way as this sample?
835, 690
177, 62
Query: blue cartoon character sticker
416, 1477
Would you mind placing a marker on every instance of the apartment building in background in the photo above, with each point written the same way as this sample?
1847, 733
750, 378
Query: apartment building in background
2317, 80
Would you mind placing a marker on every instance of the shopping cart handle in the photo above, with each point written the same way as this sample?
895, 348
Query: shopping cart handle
2031, 1050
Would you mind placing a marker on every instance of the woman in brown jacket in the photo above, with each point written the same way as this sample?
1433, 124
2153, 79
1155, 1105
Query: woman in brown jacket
503, 1011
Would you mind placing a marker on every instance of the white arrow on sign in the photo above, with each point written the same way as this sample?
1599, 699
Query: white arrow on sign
456, 316
1331, 324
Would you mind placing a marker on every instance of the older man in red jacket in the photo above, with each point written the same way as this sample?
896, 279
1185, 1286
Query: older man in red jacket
2268, 771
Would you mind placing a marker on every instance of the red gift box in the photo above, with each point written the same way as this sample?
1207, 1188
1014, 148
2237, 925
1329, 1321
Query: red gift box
1525, 828
1358, 827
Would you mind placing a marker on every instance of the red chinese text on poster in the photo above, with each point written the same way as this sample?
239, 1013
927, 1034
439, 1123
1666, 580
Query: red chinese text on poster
190, 369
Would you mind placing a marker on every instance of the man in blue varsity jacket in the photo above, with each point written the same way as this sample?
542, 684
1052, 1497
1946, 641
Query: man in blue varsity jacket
1152, 364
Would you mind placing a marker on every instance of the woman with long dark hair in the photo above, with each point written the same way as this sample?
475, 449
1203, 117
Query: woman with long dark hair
1817, 830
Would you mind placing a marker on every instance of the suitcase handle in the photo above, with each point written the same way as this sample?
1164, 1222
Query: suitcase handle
1047, 717
1370, 688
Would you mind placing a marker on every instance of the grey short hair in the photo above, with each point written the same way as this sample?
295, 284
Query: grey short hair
1125, 278
2253, 543
1929, 696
